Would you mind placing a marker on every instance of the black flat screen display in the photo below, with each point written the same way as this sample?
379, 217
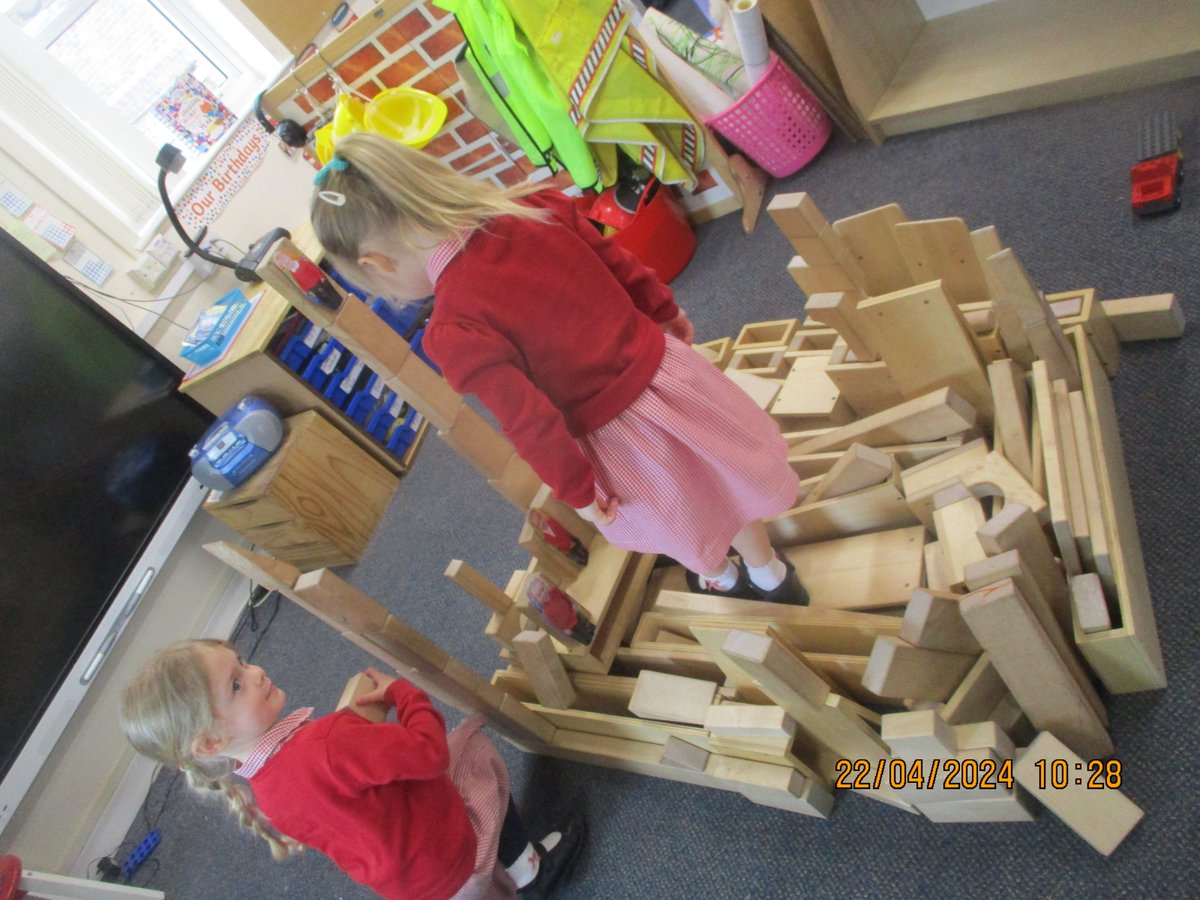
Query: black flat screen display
93, 451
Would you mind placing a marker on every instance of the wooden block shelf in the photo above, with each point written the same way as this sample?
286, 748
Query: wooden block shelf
315, 503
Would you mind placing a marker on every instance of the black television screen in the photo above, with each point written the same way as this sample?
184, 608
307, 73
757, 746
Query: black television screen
93, 451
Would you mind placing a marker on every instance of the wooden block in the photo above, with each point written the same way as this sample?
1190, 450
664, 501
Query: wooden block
796, 215
518, 483
503, 628
541, 663
478, 586
906, 325
866, 386
761, 390
368, 337
1147, 318
866, 571
991, 475
717, 351
671, 697
1100, 332
1010, 400
1016, 528
879, 508
941, 249
1099, 551
745, 721
473, 438
1076, 502
427, 391
518, 723
1031, 666
807, 391
932, 620
1008, 279
976, 695
1001, 805
678, 752
768, 363
399, 639
1103, 818
923, 480
1128, 658
761, 335
870, 238
820, 279
838, 310
931, 417
858, 467
956, 517
938, 576
983, 735
920, 734
1089, 605
899, 670
357, 686
565, 515
1055, 468
1009, 565
263, 570
550, 558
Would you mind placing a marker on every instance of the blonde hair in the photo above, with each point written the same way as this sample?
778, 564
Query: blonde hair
166, 707
389, 188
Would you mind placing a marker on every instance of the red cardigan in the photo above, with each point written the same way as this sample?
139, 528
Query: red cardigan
556, 329
375, 798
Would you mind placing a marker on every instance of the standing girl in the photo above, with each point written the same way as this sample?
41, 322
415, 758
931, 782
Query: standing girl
578, 350
398, 806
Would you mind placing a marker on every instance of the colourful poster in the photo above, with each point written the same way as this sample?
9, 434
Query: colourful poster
224, 175
194, 113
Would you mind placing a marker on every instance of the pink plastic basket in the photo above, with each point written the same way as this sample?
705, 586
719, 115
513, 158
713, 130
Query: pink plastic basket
778, 123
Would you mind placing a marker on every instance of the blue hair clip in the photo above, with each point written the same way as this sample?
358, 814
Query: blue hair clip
335, 164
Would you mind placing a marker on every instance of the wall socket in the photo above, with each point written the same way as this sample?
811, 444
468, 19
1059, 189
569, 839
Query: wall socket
149, 273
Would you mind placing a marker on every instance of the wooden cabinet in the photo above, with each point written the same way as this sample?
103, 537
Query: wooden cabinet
902, 73
250, 366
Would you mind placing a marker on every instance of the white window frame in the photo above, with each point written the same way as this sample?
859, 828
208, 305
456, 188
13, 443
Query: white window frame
64, 137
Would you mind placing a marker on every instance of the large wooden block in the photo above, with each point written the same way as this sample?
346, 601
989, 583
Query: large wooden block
473, 438
838, 310
1033, 669
871, 240
1058, 777
858, 467
941, 249
1147, 318
541, 663
1010, 401
976, 695
899, 670
933, 620
478, 586
357, 686
935, 415
672, 698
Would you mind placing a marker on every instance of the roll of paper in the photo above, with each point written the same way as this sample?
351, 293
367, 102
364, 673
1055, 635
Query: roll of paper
700, 95
751, 37
722, 68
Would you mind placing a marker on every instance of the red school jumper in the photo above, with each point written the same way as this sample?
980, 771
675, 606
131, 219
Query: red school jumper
375, 798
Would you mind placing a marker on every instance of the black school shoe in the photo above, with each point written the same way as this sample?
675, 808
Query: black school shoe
741, 590
556, 865
790, 590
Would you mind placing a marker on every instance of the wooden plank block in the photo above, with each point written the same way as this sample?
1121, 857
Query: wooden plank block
796, 215
932, 620
1129, 657
518, 483
838, 310
898, 670
717, 351
677, 752
535, 539
807, 390
1100, 332
1103, 818
1032, 668
760, 335
1010, 565
478, 586
957, 515
1010, 400
879, 508
473, 438
941, 249
863, 572
357, 686
866, 386
1016, 528
1088, 604
858, 467
1076, 503
937, 570
768, 363
1101, 554
1001, 805
761, 390
904, 325
541, 663
672, 697
820, 279
742, 721
1148, 318
1055, 471
918, 734
991, 476
933, 416
976, 695
1008, 279
872, 243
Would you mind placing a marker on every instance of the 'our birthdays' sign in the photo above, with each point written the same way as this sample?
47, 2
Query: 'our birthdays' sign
224, 176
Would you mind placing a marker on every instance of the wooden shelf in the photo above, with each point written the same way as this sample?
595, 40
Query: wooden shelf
905, 74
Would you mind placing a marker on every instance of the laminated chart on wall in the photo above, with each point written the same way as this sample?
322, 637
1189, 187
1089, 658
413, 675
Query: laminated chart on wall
49, 228
615, 99
12, 199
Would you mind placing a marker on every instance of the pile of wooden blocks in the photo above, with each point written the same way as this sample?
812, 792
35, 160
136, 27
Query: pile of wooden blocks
964, 529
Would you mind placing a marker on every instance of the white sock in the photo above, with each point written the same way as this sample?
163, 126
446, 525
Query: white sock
770, 576
525, 869
726, 580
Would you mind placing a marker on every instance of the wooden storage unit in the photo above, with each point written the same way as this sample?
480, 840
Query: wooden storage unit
315, 503
249, 366
903, 73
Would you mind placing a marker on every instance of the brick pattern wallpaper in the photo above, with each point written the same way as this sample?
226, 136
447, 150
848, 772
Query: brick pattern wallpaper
416, 48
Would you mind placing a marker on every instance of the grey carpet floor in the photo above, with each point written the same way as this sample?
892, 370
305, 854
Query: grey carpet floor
1054, 183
